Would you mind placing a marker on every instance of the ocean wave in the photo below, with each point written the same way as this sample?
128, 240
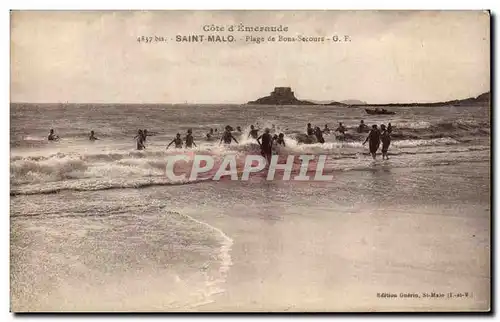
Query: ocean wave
429, 142
214, 279
85, 164
189, 260
402, 130
94, 185
422, 130
334, 163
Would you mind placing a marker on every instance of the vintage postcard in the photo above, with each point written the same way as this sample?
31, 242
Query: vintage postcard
250, 161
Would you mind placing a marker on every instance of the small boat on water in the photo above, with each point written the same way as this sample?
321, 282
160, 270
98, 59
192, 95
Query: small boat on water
378, 111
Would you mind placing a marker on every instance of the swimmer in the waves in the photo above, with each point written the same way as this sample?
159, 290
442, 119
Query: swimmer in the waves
254, 133
92, 136
177, 141
341, 129
266, 145
227, 137
309, 130
385, 137
374, 138
210, 135
139, 140
190, 139
281, 140
362, 127
52, 136
319, 135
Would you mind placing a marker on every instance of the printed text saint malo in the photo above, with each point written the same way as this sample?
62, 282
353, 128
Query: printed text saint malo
202, 38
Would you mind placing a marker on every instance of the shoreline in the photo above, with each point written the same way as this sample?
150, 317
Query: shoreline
332, 249
350, 279
339, 257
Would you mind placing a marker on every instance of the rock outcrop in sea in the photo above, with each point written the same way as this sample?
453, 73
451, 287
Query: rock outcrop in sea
285, 96
281, 96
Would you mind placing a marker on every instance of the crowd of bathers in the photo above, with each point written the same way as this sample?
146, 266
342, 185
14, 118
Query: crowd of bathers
267, 141
375, 136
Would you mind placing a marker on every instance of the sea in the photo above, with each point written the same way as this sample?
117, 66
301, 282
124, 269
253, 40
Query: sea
98, 226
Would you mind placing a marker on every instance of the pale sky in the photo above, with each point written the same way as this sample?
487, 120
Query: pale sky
393, 56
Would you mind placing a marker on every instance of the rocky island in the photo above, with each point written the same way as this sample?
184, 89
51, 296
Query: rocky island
285, 96
281, 96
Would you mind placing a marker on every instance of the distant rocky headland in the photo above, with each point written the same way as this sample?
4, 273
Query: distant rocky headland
484, 98
281, 96
285, 96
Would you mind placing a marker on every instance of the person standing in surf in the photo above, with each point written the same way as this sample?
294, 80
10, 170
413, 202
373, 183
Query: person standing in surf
385, 137
389, 128
92, 136
374, 138
362, 127
319, 135
52, 136
341, 129
266, 146
309, 130
281, 140
254, 133
190, 139
326, 130
177, 141
139, 140
210, 135
227, 137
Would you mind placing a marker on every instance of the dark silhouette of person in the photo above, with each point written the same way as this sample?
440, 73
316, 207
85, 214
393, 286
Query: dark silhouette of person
266, 144
139, 140
309, 130
341, 129
389, 128
362, 127
374, 138
319, 134
281, 139
52, 136
210, 135
190, 139
385, 137
92, 136
227, 137
177, 141
254, 133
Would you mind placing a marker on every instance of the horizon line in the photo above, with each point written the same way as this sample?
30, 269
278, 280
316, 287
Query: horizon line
235, 103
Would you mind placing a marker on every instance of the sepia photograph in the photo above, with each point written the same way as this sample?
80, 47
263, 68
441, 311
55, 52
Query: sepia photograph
250, 161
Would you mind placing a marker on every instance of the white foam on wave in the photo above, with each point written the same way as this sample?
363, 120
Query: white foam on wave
34, 138
213, 282
429, 142
413, 125
95, 168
